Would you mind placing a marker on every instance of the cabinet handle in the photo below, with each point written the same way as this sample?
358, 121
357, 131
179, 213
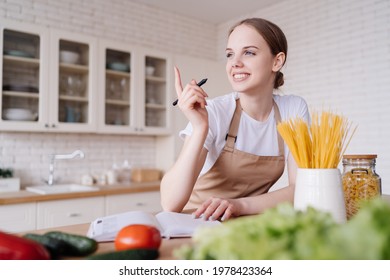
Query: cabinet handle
140, 204
46, 125
74, 215
53, 125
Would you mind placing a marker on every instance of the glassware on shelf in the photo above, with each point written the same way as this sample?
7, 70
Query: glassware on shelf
71, 84
73, 114
123, 84
113, 89
118, 118
151, 118
116, 88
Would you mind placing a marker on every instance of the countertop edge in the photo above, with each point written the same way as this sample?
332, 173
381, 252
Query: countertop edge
24, 196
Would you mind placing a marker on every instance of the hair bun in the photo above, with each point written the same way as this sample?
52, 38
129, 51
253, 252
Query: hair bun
279, 80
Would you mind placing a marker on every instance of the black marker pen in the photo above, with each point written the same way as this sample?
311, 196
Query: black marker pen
201, 83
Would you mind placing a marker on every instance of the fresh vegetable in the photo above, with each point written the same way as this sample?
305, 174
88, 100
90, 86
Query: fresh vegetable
284, 233
14, 247
56, 247
77, 245
131, 254
138, 237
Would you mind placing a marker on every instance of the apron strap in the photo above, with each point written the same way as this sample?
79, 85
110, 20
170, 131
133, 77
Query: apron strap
231, 136
278, 119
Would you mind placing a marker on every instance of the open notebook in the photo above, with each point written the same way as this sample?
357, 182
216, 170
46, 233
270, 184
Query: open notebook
170, 224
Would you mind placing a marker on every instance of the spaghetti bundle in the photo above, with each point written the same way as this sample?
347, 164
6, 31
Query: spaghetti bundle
321, 145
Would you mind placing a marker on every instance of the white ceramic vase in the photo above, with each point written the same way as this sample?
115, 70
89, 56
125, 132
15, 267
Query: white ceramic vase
320, 189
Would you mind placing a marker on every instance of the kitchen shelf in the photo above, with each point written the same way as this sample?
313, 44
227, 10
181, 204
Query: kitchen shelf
155, 79
155, 106
73, 98
74, 68
21, 60
34, 95
117, 102
115, 73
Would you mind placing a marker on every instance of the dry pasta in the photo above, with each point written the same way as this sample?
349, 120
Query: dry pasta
321, 145
358, 186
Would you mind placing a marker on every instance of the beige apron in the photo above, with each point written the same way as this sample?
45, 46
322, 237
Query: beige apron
236, 173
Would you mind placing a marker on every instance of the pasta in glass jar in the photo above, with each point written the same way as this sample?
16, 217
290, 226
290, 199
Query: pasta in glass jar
360, 181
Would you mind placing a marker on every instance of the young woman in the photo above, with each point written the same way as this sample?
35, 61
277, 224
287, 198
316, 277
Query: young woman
232, 153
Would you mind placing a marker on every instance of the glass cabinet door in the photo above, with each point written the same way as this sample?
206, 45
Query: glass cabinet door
73, 88
116, 88
22, 78
117, 98
157, 97
73, 103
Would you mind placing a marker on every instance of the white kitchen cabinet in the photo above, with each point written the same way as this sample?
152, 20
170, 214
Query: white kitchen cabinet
145, 201
18, 217
134, 90
41, 91
109, 87
73, 76
23, 76
117, 88
68, 212
155, 92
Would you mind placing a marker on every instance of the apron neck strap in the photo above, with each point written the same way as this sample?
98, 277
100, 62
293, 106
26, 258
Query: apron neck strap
231, 136
278, 119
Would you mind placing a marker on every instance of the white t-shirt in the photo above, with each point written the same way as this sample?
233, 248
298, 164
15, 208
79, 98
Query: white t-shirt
254, 137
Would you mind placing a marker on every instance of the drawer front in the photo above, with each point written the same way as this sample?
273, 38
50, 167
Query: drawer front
147, 201
69, 212
18, 217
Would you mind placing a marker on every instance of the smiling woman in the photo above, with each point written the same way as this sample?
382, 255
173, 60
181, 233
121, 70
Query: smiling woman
233, 154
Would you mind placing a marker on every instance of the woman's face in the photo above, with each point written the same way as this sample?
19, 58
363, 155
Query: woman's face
250, 62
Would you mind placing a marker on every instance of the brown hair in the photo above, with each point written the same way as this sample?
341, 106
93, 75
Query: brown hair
274, 37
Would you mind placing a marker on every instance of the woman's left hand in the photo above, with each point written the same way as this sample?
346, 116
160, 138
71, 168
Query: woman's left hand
217, 209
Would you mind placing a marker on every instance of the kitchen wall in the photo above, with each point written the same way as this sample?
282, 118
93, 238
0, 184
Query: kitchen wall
339, 60
119, 20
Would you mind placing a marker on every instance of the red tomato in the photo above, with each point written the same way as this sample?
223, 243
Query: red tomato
138, 237
13, 247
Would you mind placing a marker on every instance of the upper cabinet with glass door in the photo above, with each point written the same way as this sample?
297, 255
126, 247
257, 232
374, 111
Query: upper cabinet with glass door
23, 72
158, 97
116, 88
73, 87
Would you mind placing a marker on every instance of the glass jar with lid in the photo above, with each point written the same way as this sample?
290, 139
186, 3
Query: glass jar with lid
360, 181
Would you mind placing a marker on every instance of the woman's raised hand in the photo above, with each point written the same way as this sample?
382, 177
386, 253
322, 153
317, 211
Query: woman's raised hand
192, 101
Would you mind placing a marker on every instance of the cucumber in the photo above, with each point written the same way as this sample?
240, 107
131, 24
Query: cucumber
78, 245
56, 247
131, 254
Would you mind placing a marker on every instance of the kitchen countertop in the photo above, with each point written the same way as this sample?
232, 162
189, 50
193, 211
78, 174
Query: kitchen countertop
24, 196
166, 249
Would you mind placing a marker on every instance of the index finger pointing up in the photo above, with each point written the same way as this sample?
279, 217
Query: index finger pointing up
178, 85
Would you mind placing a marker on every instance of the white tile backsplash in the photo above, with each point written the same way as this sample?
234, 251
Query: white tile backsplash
28, 154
